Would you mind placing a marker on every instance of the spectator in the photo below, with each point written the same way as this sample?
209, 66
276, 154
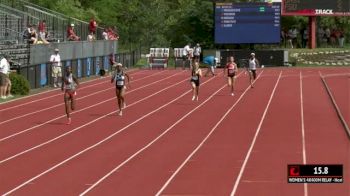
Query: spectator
71, 34
283, 37
5, 82
116, 32
42, 29
320, 35
91, 37
105, 34
56, 67
341, 38
305, 37
186, 55
92, 26
33, 36
328, 35
197, 52
112, 35
333, 37
293, 35
27, 32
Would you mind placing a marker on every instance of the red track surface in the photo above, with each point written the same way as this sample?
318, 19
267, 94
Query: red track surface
167, 144
340, 88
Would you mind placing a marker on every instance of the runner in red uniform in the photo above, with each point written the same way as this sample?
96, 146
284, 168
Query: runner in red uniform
231, 67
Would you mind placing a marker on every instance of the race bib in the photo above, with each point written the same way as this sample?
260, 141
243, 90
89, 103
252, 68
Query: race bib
120, 83
194, 77
231, 71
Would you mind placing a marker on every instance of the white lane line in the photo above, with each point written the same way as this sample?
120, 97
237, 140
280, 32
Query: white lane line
303, 127
77, 111
84, 125
254, 139
57, 105
102, 141
152, 142
335, 75
85, 82
55, 95
204, 140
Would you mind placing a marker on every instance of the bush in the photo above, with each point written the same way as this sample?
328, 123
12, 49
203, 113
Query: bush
20, 85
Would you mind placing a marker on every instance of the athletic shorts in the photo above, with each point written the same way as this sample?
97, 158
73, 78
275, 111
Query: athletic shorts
3, 78
119, 87
254, 73
196, 82
56, 71
231, 75
70, 93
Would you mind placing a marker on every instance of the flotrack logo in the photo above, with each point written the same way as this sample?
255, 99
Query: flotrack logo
324, 11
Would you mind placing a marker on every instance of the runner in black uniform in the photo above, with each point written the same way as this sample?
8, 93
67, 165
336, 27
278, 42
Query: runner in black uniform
195, 75
69, 85
119, 78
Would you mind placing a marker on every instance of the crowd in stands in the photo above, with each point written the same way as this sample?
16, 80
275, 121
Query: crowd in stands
39, 34
299, 38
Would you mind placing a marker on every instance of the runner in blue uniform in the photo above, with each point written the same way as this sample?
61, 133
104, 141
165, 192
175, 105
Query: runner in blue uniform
69, 85
119, 79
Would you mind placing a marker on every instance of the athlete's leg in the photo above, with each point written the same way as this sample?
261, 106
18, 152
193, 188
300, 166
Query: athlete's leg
193, 90
66, 103
72, 103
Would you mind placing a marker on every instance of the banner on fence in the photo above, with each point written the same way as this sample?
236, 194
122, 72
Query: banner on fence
88, 66
43, 75
79, 69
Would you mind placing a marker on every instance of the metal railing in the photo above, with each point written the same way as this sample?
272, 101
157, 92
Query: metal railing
57, 23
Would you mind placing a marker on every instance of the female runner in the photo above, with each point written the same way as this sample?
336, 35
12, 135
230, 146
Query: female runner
69, 85
119, 78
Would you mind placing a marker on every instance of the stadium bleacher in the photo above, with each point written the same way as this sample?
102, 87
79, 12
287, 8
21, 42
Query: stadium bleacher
16, 15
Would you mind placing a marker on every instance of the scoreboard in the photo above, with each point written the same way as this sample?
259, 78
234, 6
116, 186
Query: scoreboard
319, 8
238, 23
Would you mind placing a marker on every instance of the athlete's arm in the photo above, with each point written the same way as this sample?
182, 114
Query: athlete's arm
236, 68
225, 69
112, 79
76, 81
127, 76
257, 63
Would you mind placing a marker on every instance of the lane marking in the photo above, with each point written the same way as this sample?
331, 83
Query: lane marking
84, 125
303, 127
55, 95
77, 111
100, 142
204, 140
254, 139
152, 142
57, 105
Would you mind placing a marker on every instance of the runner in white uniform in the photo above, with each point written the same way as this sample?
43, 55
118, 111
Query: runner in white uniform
69, 85
253, 64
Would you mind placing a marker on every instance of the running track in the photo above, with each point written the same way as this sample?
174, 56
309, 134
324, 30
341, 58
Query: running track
165, 144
